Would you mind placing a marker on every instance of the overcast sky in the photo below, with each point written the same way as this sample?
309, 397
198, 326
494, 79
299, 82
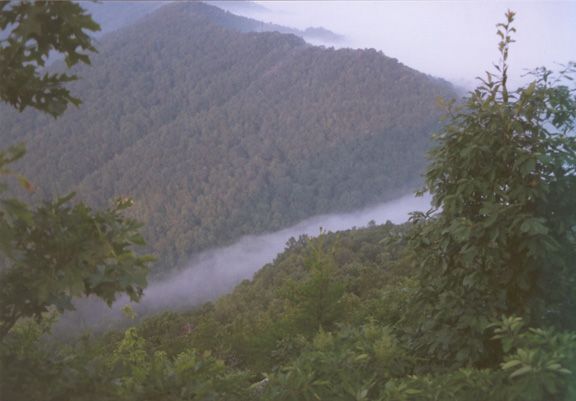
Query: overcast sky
455, 40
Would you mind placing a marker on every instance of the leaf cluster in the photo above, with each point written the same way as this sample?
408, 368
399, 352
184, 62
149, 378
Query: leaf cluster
500, 239
31, 31
128, 371
57, 251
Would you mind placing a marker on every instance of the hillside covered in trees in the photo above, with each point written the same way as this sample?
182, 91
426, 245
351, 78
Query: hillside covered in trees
118, 14
217, 133
332, 318
471, 300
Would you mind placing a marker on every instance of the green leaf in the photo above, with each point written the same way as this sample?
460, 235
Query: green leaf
511, 364
522, 371
17, 210
534, 226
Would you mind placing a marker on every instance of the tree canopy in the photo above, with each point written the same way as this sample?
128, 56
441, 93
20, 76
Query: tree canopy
53, 252
471, 301
502, 242
218, 134
32, 32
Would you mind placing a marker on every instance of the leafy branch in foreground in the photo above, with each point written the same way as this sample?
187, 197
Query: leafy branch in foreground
502, 241
59, 251
35, 30
54, 252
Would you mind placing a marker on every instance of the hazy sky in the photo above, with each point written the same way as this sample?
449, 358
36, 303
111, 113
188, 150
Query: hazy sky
455, 40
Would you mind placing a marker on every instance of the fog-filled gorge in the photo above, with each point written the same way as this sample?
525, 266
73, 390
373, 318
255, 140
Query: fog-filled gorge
215, 272
212, 146
241, 222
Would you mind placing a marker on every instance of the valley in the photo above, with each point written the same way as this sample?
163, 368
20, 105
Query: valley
199, 205
217, 134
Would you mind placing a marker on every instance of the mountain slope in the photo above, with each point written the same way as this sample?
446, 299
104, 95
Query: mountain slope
217, 133
346, 277
246, 24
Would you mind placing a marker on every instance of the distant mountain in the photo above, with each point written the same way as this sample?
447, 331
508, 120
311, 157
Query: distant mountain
244, 24
322, 34
217, 132
114, 15
238, 6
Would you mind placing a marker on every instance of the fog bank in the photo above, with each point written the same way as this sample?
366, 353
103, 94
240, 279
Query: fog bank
455, 40
217, 271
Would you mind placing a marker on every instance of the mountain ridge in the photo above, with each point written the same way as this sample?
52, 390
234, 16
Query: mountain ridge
218, 134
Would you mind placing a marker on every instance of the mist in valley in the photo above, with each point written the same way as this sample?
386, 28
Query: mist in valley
452, 40
215, 272
267, 149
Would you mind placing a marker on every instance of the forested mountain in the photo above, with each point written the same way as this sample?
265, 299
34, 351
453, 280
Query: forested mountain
245, 24
114, 15
472, 300
335, 279
217, 133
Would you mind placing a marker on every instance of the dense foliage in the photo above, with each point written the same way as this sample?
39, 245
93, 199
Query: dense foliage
471, 301
503, 178
217, 134
261, 342
58, 251
30, 32
53, 252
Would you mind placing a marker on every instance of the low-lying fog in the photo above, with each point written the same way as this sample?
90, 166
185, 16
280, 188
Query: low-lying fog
216, 272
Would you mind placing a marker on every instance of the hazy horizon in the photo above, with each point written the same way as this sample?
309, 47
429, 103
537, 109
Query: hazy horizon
454, 40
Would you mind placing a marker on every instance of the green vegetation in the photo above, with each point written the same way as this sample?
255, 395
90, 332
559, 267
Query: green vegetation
470, 301
216, 134
53, 252
504, 179
32, 36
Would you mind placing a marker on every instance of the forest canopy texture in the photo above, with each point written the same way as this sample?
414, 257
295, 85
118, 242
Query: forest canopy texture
217, 133
472, 300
